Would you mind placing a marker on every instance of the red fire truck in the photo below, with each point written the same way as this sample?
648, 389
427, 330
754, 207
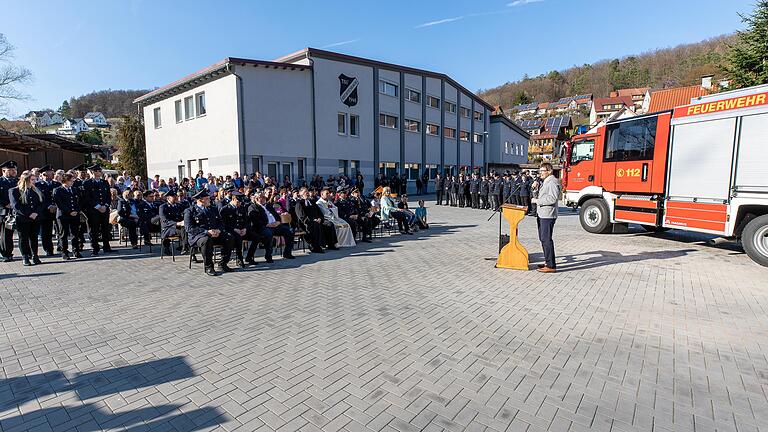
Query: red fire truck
701, 167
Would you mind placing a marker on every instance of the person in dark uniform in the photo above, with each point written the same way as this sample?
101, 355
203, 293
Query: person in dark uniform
494, 186
81, 176
46, 185
27, 204
467, 191
171, 217
361, 208
205, 229
265, 222
129, 213
234, 217
507, 189
96, 201
525, 191
484, 190
346, 210
516, 185
320, 232
68, 209
448, 190
7, 182
439, 189
474, 191
455, 191
460, 196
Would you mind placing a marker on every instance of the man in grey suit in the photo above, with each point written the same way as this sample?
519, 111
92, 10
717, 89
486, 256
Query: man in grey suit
546, 215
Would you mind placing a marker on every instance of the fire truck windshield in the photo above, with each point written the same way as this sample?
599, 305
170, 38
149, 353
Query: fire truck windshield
582, 150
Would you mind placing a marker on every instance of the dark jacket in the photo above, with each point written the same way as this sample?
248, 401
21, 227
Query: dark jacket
95, 192
198, 221
234, 217
306, 213
258, 218
170, 214
22, 210
6, 184
66, 202
47, 191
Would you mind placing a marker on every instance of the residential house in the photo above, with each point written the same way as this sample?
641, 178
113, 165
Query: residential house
583, 101
38, 118
546, 136
525, 109
96, 119
667, 99
73, 127
624, 112
603, 108
636, 94
56, 118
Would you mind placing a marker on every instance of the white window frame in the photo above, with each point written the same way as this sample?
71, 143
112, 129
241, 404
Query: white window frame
157, 118
198, 105
437, 130
178, 110
478, 138
449, 107
408, 122
385, 116
465, 133
189, 110
453, 130
409, 91
478, 116
464, 110
383, 88
341, 123
356, 132
430, 97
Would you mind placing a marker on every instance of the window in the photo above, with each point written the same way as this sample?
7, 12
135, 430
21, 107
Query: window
413, 95
464, 112
478, 138
478, 116
506, 147
433, 102
582, 150
464, 135
343, 167
287, 171
432, 169
631, 140
189, 108
354, 167
412, 170
158, 120
388, 168
449, 107
200, 104
388, 121
433, 129
450, 132
272, 171
179, 114
300, 168
342, 123
354, 125
387, 88
412, 125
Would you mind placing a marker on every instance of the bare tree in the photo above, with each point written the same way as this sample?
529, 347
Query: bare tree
11, 76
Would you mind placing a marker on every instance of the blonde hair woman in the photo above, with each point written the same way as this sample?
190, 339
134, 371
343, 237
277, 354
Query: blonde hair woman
27, 205
390, 211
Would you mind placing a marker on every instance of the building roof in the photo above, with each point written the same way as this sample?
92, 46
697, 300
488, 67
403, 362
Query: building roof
599, 102
32, 142
630, 91
314, 52
93, 114
662, 100
496, 118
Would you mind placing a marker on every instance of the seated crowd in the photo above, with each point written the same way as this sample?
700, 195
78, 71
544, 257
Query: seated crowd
233, 213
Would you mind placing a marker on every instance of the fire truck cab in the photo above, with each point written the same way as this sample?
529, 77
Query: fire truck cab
701, 167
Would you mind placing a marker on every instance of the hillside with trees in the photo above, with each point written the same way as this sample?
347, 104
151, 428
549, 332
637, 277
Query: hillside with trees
112, 103
662, 68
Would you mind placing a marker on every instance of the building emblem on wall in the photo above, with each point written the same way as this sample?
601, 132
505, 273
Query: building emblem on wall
348, 90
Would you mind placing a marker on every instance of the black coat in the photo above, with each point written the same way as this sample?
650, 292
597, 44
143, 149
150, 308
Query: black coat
96, 192
233, 217
47, 191
22, 210
197, 222
66, 202
170, 214
307, 213
258, 218
6, 184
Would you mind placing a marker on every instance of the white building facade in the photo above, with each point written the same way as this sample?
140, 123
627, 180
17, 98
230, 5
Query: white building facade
314, 112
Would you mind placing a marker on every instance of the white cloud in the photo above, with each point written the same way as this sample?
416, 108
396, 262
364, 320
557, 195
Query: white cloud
442, 21
335, 44
523, 2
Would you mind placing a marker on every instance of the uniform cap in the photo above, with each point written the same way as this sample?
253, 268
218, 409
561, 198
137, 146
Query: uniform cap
200, 195
95, 167
45, 168
9, 164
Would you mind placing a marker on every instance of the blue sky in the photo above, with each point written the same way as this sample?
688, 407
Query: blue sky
76, 47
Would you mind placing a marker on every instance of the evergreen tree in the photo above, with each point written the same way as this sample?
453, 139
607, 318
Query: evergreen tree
748, 57
65, 110
133, 150
521, 98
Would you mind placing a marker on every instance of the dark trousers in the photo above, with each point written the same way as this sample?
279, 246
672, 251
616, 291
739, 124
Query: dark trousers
69, 226
314, 234
132, 226
475, 200
6, 240
100, 230
46, 233
181, 232
365, 224
546, 227
207, 243
28, 237
525, 201
281, 230
494, 201
353, 225
484, 199
439, 194
461, 199
403, 223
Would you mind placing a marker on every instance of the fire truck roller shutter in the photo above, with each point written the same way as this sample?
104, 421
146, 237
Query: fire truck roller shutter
751, 165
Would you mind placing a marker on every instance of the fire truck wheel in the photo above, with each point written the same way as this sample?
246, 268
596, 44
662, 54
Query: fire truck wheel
754, 238
654, 229
594, 216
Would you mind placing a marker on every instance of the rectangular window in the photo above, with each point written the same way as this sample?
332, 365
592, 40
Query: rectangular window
449, 107
300, 168
189, 108
412, 170
158, 120
179, 113
342, 167
387, 88
433, 102
478, 116
433, 129
464, 135
388, 121
200, 104
354, 167
354, 125
478, 138
388, 168
342, 123
631, 140
272, 170
450, 132
464, 112
412, 125
287, 170
582, 150
432, 170
413, 95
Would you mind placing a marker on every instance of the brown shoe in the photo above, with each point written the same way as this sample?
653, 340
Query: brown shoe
546, 269
541, 265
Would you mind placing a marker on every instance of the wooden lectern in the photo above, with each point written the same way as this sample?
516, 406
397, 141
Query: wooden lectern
513, 255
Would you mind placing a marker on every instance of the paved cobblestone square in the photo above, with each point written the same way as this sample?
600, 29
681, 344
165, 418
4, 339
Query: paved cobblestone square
636, 332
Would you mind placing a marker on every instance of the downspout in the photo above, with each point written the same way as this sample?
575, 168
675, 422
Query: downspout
240, 119
314, 122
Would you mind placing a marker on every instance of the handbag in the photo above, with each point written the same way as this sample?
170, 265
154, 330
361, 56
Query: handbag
10, 221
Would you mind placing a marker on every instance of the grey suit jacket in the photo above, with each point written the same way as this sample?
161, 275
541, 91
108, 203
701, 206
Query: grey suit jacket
549, 196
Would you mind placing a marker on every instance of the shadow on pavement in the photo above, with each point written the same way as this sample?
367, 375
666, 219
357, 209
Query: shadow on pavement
603, 258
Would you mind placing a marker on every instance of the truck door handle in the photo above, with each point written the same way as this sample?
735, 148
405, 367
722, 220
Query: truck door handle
591, 178
644, 175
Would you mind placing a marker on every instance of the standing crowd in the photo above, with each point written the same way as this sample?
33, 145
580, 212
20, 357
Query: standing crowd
489, 191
